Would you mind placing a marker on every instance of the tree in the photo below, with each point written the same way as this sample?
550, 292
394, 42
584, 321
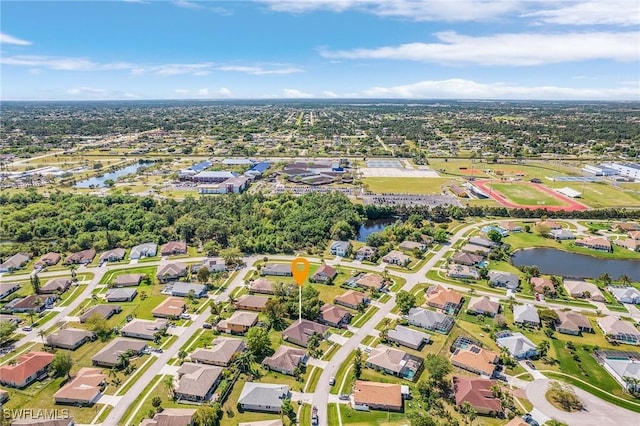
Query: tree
232, 256
170, 386
244, 360
313, 344
500, 321
156, 402
275, 311
495, 236
605, 278
61, 364
420, 419
98, 324
548, 316
357, 364
405, 301
543, 348
208, 416
287, 410
311, 303
624, 280
563, 395
42, 334
258, 342
34, 280
341, 230
203, 275
438, 368
6, 329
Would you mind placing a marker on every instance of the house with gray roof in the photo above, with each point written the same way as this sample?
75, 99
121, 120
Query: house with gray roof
277, 269
105, 311
340, 248
408, 337
15, 262
430, 320
109, 356
519, 346
182, 289
483, 242
114, 255
55, 285
526, 315
618, 330
622, 369
144, 329
121, 294
630, 295
70, 338
143, 250
171, 271
503, 279
263, 397
197, 382
285, 360
221, 353
8, 288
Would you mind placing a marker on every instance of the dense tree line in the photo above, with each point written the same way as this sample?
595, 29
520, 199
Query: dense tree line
250, 222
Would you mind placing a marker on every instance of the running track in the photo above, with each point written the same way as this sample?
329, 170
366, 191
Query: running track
571, 205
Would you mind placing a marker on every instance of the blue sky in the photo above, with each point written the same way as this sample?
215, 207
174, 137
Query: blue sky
470, 49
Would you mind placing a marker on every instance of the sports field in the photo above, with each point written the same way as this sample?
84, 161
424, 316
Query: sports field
402, 185
602, 195
525, 194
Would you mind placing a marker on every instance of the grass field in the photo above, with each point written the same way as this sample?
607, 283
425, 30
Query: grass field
525, 194
604, 195
406, 185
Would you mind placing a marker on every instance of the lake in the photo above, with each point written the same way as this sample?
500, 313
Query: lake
576, 265
371, 226
98, 181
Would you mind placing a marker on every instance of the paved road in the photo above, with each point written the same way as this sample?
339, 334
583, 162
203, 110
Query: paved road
596, 413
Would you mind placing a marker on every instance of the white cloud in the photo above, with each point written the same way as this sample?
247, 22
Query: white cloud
591, 12
295, 93
260, 70
514, 49
62, 63
203, 93
7, 39
467, 89
181, 91
86, 91
188, 4
224, 92
330, 94
418, 10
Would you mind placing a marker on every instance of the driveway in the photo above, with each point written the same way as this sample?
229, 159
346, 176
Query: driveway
596, 413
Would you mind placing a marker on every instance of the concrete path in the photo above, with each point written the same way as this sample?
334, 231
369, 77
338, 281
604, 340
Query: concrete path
302, 397
109, 399
169, 370
537, 375
317, 363
336, 338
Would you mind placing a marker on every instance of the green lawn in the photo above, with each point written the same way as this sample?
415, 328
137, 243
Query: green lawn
601, 195
150, 271
525, 194
406, 185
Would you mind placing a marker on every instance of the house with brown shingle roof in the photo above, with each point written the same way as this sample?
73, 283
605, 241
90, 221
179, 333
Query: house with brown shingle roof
618, 330
28, 368
583, 289
55, 285
197, 382
594, 243
262, 286
285, 360
221, 353
171, 271
365, 253
143, 329
476, 360
173, 248
105, 311
83, 389
334, 316
377, 396
299, 332
31, 303
542, 285
14, 262
468, 259
482, 305
394, 361
447, 300
70, 338
171, 307
114, 255
250, 302
478, 393
127, 280
634, 235
171, 417
571, 322
370, 281
81, 257
48, 259
324, 273
351, 299
109, 355
239, 323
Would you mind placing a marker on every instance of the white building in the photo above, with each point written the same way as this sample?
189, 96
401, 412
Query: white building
630, 170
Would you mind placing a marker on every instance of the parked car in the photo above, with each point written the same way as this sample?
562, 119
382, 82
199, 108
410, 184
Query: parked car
344, 396
185, 316
332, 381
530, 365
27, 328
207, 325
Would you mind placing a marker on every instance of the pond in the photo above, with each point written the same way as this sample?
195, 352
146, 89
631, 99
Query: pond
98, 181
371, 226
558, 262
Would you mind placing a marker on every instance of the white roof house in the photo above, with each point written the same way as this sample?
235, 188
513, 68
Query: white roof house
620, 368
525, 314
625, 294
518, 345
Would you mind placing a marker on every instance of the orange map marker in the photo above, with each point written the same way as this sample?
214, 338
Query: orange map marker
300, 269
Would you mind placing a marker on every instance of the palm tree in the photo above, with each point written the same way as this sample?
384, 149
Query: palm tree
605, 278
170, 386
244, 360
123, 360
624, 280
42, 334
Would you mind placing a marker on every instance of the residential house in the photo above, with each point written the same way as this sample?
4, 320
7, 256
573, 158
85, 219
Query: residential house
70, 338
619, 331
32, 303
463, 272
478, 393
407, 245
171, 271
475, 359
109, 356
262, 286
41, 421
595, 243
366, 253
572, 322
430, 320
104, 311
622, 369
143, 250
213, 264
121, 294
285, 360
250, 302
509, 226
448, 301
377, 396
468, 259
15, 262
351, 299
171, 417
114, 255
8, 288
542, 285
526, 315
634, 235
408, 337
482, 242
299, 332
583, 290
263, 397
48, 259
127, 280
81, 257
222, 352
370, 281
395, 257
334, 316
562, 234
239, 322
197, 382
182, 289
277, 269
27, 369
11, 319
84, 389
630, 295
627, 226
171, 307
55, 285
324, 273
173, 248
340, 248
629, 244
504, 279
519, 346
475, 249
482, 305
144, 329
394, 361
